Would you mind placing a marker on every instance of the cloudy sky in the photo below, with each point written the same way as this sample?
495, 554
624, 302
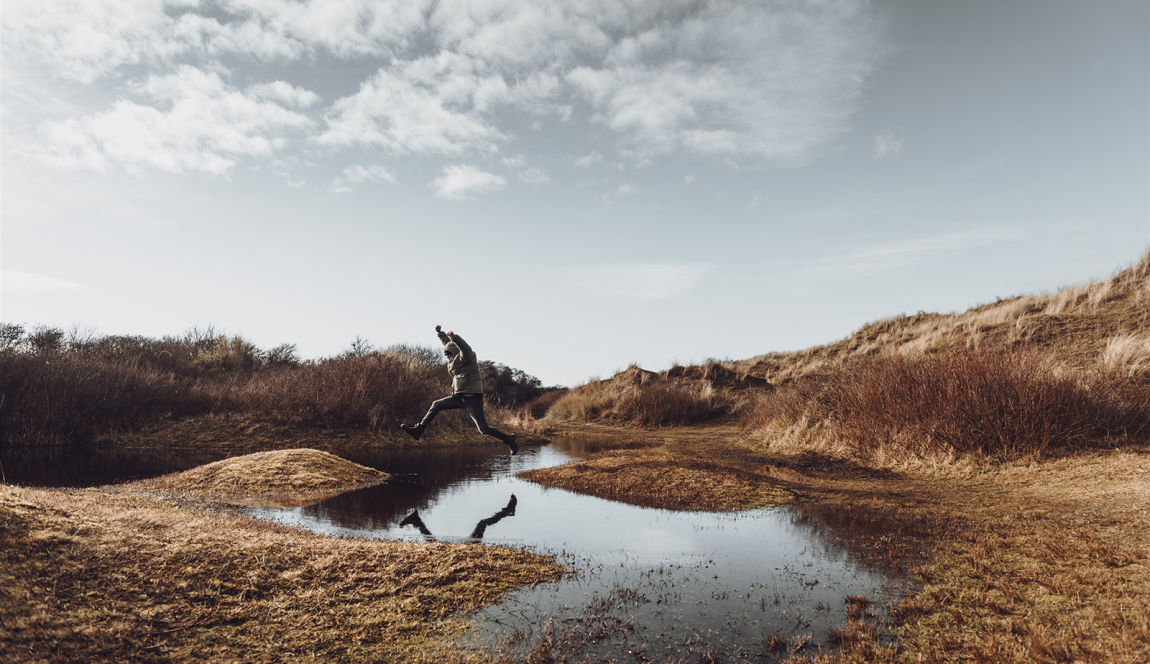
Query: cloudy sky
573, 185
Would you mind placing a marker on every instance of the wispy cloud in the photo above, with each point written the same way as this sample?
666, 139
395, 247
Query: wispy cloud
589, 160
898, 254
534, 176
886, 145
11, 280
463, 182
774, 81
200, 123
637, 281
356, 175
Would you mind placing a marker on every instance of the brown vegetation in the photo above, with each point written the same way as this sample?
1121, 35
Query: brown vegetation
991, 404
680, 396
1031, 562
282, 478
87, 576
56, 388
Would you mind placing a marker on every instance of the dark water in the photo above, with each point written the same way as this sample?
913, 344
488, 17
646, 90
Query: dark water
650, 583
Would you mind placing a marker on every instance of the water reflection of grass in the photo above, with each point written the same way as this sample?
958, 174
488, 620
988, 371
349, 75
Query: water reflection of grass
93, 576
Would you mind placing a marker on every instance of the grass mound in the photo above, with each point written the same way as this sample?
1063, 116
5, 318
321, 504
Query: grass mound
91, 576
279, 475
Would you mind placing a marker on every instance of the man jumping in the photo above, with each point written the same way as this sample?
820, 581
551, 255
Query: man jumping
466, 390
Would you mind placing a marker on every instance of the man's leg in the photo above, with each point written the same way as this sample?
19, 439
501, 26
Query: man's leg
447, 403
474, 405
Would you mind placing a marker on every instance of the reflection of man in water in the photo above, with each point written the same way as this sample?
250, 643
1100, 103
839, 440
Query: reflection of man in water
480, 528
466, 391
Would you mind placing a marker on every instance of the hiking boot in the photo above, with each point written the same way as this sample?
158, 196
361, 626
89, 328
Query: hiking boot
413, 431
512, 443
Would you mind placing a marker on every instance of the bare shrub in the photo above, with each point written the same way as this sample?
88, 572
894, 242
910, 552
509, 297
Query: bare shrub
996, 404
54, 393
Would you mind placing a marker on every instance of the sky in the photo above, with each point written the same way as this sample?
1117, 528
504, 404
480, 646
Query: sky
571, 185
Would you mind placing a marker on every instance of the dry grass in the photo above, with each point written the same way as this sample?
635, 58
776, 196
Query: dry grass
681, 396
56, 390
1040, 562
669, 476
280, 478
993, 404
87, 576
1075, 323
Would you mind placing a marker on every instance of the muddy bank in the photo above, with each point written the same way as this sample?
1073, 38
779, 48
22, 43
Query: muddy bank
281, 478
98, 577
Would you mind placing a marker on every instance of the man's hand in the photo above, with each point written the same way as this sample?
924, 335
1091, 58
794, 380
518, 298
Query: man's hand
450, 335
438, 328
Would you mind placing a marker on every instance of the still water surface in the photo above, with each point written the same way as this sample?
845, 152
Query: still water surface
650, 584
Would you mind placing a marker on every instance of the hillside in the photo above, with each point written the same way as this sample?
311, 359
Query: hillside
1075, 330
1078, 324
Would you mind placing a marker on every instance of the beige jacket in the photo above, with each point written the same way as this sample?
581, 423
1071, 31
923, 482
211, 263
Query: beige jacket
464, 366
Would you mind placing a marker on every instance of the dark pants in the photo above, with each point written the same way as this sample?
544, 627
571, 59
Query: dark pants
473, 403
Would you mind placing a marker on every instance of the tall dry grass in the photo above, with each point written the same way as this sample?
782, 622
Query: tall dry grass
1006, 404
642, 398
58, 388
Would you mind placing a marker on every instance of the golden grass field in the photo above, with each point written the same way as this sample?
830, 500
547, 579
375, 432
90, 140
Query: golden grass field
1002, 454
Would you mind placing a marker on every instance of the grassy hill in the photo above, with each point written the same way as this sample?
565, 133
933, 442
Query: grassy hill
1021, 376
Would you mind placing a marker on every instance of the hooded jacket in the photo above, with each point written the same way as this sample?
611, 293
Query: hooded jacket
464, 366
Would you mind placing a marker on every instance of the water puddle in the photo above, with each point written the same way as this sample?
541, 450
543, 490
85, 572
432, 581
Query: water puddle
650, 584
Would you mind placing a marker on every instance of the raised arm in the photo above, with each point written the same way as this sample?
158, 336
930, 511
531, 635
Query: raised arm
468, 354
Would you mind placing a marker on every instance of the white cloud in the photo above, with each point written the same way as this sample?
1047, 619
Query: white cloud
534, 176
589, 160
775, 80
285, 93
886, 144
369, 173
207, 127
412, 109
518, 161
625, 189
463, 182
11, 280
637, 281
87, 39
688, 179
358, 174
